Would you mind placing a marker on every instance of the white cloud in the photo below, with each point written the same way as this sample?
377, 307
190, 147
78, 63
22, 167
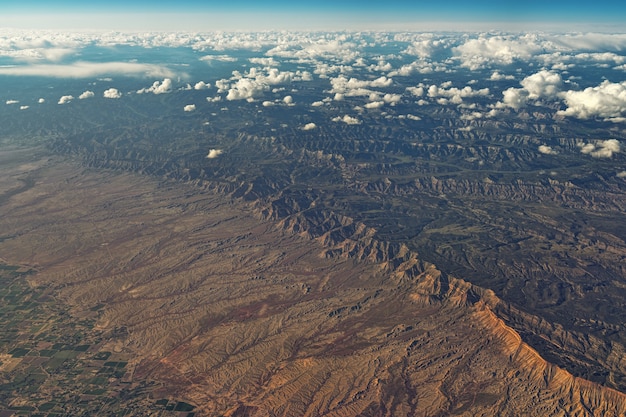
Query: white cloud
246, 88
267, 103
601, 148
12, 101
545, 149
158, 87
608, 101
66, 99
214, 99
621, 174
486, 50
257, 81
112, 93
88, 70
453, 94
416, 91
86, 94
288, 100
413, 117
543, 84
201, 85
41, 100
374, 105
24, 107
347, 120
309, 126
496, 76
317, 103
214, 153
267, 62
220, 58
189, 107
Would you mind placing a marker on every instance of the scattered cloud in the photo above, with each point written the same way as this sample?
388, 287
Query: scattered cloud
288, 100
600, 148
86, 94
347, 120
189, 107
607, 101
66, 99
214, 153
453, 94
543, 84
201, 85
497, 76
24, 107
158, 87
112, 93
220, 58
309, 126
498, 50
87, 70
547, 150
12, 101
41, 100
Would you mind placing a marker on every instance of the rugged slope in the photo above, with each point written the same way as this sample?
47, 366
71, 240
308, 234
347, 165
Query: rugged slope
243, 311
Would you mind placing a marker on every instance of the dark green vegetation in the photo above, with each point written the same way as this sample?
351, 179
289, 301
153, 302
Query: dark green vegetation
51, 363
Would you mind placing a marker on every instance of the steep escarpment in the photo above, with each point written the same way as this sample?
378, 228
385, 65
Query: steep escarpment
238, 315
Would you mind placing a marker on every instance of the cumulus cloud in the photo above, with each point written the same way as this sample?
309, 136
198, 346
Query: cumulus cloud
189, 107
413, 117
257, 81
112, 93
41, 100
306, 49
543, 84
453, 94
86, 94
317, 103
349, 120
621, 174
601, 148
12, 101
608, 101
66, 99
246, 88
547, 150
24, 107
288, 100
374, 105
267, 103
220, 58
201, 85
355, 87
309, 126
487, 50
158, 87
496, 76
214, 153
87, 70
267, 62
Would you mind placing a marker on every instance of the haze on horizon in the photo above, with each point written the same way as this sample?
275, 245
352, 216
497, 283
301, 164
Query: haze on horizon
247, 15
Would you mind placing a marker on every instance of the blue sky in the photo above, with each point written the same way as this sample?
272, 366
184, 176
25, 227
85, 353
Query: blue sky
320, 14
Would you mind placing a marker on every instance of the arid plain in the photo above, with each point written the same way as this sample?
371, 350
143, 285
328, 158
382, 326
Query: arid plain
240, 315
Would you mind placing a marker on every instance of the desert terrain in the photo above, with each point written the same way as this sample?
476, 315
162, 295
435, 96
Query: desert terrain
214, 302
